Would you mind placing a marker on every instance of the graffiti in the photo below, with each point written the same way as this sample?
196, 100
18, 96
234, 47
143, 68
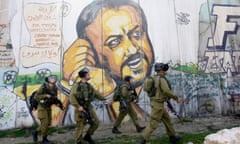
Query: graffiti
221, 61
43, 24
197, 91
182, 18
43, 73
9, 77
2, 31
23, 113
4, 27
6, 58
225, 24
222, 53
7, 108
6, 113
61, 38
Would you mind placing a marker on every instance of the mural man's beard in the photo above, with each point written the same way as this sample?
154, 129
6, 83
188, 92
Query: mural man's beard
132, 62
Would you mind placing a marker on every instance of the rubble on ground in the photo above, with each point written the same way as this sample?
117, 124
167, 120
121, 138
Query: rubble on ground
225, 136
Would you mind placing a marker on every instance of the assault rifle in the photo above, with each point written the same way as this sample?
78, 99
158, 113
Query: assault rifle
124, 104
24, 92
169, 105
86, 113
56, 101
133, 97
53, 99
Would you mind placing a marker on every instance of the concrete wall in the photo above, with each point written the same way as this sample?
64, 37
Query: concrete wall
199, 39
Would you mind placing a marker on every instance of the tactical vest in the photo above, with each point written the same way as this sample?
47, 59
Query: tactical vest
52, 91
131, 93
85, 93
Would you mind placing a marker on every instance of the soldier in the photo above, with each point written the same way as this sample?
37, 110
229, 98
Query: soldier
43, 96
82, 94
128, 95
158, 114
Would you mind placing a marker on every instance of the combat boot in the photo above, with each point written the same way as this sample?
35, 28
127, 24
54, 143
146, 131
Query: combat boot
45, 141
89, 139
142, 141
174, 139
139, 128
35, 136
115, 130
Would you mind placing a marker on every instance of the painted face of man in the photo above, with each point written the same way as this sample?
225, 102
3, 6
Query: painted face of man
121, 44
51, 82
87, 77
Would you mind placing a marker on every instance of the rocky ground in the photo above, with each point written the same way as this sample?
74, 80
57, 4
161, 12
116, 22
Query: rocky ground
198, 125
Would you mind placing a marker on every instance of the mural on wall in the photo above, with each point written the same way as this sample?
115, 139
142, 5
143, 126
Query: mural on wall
113, 42
40, 50
115, 39
219, 47
43, 24
8, 71
7, 59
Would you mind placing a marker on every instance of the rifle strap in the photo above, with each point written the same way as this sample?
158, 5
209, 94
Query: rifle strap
160, 83
168, 83
81, 100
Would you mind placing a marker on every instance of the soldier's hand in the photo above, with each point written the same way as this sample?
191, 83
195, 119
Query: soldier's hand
81, 109
76, 57
179, 100
48, 96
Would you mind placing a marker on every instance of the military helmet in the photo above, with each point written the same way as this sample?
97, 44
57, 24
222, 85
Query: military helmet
128, 78
52, 78
83, 71
161, 66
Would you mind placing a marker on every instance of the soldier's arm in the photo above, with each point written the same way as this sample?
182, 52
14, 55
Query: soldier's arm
73, 96
98, 95
166, 89
125, 93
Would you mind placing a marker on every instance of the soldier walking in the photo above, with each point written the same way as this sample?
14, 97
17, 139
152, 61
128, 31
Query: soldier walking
162, 93
128, 95
44, 96
82, 94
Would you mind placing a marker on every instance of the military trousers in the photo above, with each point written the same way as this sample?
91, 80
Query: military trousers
123, 112
81, 123
158, 114
45, 116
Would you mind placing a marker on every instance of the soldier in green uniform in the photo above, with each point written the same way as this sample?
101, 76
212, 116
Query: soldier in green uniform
43, 97
128, 95
82, 94
162, 93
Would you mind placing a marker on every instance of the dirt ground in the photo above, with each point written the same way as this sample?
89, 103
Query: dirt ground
197, 125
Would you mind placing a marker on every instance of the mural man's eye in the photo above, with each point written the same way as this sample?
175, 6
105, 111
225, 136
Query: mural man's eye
137, 35
114, 43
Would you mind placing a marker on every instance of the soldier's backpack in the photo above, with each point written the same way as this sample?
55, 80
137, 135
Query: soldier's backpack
117, 94
149, 87
33, 102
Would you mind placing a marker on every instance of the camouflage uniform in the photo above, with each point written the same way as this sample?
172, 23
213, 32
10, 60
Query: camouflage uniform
158, 114
44, 108
84, 93
125, 107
